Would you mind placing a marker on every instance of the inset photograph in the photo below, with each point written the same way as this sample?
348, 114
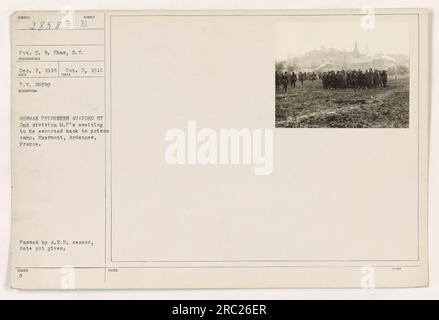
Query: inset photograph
342, 75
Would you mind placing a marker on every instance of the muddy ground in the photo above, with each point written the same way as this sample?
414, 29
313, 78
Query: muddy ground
311, 106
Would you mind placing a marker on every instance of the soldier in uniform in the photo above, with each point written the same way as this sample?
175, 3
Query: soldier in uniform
377, 79
354, 80
361, 81
285, 82
301, 77
324, 78
344, 79
370, 79
293, 80
349, 79
384, 78
277, 78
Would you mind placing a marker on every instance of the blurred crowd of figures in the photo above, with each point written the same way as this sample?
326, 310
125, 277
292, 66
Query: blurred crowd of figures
340, 79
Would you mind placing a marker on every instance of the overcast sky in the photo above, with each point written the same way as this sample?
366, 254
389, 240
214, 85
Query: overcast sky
298, 38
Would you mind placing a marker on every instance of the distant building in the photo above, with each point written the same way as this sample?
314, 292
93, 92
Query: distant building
334, 59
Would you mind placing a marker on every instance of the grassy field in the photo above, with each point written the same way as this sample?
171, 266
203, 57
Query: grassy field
311, 106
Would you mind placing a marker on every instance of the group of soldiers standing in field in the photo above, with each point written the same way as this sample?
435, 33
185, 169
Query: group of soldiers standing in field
340, 79
283, 79
356, 79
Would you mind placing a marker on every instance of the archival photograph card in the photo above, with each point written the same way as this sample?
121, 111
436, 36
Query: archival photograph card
219, 149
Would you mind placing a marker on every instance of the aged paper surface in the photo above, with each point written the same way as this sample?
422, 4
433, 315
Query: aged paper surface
253, 149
